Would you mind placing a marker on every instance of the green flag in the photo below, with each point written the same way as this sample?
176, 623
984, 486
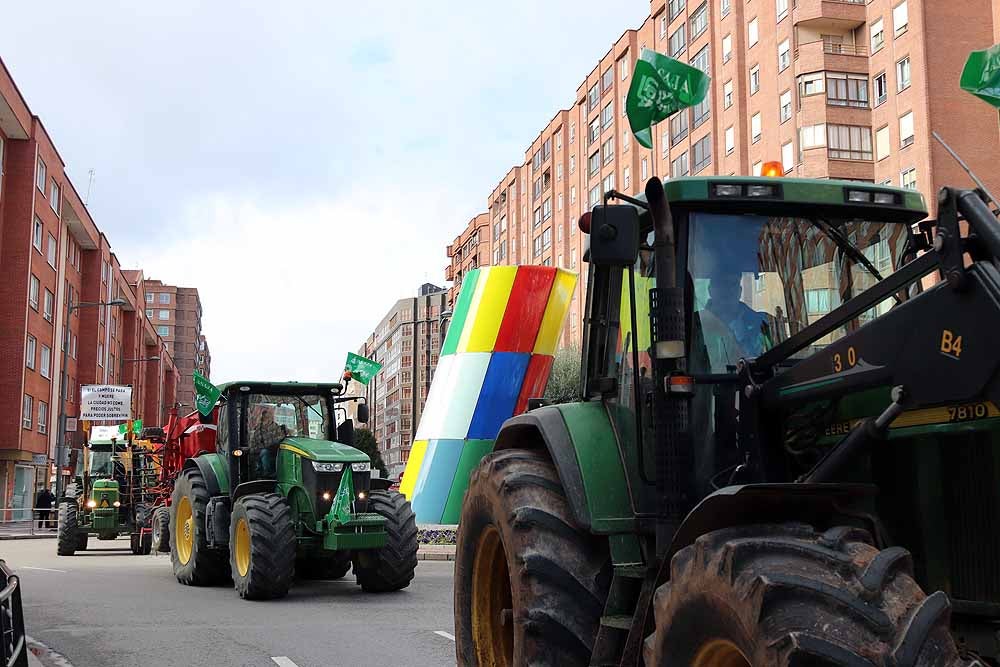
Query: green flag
660, 87
206, 394
341, 508
981, 75
362, 369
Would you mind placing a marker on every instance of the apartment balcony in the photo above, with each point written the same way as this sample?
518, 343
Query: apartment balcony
816, 109
448, 273
832, 57
844, 15
449, 251
817, 163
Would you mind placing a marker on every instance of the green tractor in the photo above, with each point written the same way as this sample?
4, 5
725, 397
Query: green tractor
107, 498
285, 494
785, 451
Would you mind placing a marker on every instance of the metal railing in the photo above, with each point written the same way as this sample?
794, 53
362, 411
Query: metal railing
13, 644
27, 521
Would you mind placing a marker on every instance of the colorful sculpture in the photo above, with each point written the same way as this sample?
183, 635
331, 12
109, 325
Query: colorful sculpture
497, 354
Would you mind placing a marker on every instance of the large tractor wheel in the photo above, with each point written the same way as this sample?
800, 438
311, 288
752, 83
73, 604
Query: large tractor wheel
262, 546
391, 567
141, 543
785, 595
324, 567
161, 530
68, 534
530, 584
194, 563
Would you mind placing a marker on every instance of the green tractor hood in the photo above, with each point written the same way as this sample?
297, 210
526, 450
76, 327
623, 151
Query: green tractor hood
324, 450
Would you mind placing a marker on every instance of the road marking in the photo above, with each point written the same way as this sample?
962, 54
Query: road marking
282, 661
444, 634
42, 569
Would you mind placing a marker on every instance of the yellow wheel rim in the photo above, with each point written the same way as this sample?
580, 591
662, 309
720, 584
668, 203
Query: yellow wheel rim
185, 532
492, 605
242, 547
720, 653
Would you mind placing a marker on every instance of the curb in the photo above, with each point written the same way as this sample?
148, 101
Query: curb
27, 537
435, 556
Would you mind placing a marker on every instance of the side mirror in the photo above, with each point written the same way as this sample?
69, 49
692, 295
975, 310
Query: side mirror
362, 413
614, 235
345, 432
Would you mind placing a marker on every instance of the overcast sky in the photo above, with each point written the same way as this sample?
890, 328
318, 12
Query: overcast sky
303, 164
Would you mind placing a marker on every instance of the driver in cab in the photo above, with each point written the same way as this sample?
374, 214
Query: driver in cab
265, 438
732, 330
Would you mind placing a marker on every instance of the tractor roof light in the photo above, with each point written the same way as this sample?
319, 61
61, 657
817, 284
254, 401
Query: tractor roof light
772, 170
727, 190
761, 191
859, 196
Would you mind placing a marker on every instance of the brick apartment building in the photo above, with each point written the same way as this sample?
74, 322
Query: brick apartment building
469, 250
54, 255
406, 342
847, 89
176, 314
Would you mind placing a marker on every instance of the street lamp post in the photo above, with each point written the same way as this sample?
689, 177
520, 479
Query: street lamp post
61, 441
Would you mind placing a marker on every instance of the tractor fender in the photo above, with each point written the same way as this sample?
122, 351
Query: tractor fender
380, 484
815, 504
256, 486
207, 471
544, 429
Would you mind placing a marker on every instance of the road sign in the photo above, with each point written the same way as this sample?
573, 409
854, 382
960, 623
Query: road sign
71, 424
107, 402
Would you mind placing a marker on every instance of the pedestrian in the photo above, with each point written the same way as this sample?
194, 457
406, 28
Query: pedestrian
43, 502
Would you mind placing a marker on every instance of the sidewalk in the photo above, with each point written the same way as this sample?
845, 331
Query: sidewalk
436, 552
24, 530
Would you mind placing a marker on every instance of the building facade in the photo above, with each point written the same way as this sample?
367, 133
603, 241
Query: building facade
469, 250
176, 313
60, 274
406, 343
847, 89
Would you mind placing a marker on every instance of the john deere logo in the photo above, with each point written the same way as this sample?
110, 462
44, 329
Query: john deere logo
104, 502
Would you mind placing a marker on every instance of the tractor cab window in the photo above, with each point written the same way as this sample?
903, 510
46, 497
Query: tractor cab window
101, 462
272, 418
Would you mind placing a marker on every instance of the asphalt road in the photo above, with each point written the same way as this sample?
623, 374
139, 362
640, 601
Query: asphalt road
108, 607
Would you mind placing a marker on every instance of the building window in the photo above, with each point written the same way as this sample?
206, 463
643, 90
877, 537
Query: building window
811, 84
559, 172
572, 194
903, 74
877, 32
547, 208
29, 352
846, 90
572, 138
595, 195
36, 234
701, 111
906, 129
72, 347
45, 361
100, 355
34, 288
608, 114
162, 315
784, 56
536, 246
594, 163
727, 94
882, 143
149, 297
782, 8
572, 164
880, 88
48, 302
724, 9
626, 140
41, 175
679, 166
165, 297
674, 7
547, 238
908, 179
663, 26
547, 149
702, 153
50, 251
149, 313
754, 79
678, 127
537, 218
755, 128
818, 301
812, 136
626, 179
607, 80
730, 140
900, 19
43, 417
608, 150
787, 157
701, 61
55, 198
644, 169
593, 97
727, 48
665, 142
595, 131
678, 41
699, 20
163, 331
785, 106
752, 33
27, 408
757, 168
623, 67
559, 202
558, 144
849, 142
609, 183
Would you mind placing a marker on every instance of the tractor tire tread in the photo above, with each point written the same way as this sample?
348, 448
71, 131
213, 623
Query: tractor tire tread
391, 567
272, 547
67, 539
207, 567
804, 598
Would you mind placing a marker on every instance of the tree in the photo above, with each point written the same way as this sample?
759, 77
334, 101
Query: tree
564, 380
365, 441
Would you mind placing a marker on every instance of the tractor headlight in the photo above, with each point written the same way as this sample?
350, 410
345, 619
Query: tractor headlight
91, 503
361, 467
117, 503
319, 466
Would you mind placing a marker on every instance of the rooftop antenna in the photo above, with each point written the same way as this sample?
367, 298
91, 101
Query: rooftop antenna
90, 184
